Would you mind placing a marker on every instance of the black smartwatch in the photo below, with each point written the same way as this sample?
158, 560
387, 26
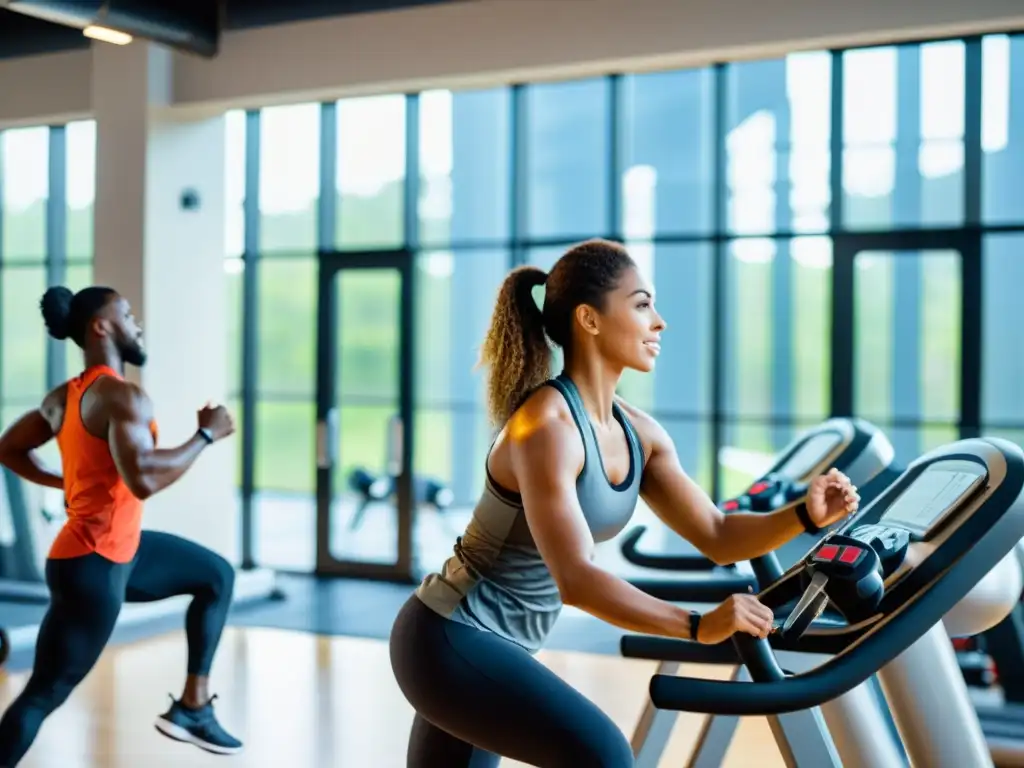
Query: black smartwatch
694, 624
206, 434
805, 518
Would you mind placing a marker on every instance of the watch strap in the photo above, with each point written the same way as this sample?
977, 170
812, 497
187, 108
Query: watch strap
805, 519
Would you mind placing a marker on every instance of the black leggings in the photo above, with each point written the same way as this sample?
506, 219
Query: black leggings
479, 697
86, 594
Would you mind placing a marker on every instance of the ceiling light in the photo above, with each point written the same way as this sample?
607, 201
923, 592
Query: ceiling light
107, 35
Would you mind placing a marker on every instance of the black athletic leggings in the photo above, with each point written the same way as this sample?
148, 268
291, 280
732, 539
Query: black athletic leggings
479, 697
86, 594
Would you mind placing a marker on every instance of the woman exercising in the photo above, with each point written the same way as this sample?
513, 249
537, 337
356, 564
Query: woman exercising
101, 558
565, 471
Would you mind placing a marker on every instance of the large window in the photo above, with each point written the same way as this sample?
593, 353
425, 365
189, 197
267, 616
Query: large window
47, 176
740, 189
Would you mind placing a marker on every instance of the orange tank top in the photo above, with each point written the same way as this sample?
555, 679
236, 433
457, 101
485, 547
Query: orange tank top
103, 515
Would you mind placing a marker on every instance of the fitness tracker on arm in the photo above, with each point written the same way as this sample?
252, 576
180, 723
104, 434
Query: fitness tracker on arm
206, 434
805, 518
694, 624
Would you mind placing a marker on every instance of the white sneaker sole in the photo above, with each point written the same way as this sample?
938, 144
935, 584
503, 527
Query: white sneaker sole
176, 732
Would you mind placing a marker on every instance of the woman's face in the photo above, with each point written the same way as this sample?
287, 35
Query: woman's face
628, 330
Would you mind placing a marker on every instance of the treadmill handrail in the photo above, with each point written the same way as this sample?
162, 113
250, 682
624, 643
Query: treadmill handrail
664, 562
882, 643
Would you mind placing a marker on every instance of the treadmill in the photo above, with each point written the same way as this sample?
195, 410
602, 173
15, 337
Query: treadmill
932, 555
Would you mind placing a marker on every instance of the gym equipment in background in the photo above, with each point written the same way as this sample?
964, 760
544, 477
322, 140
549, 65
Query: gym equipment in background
372, 488
21, 580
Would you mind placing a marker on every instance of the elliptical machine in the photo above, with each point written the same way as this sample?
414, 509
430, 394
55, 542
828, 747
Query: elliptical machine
934, 551
863, 452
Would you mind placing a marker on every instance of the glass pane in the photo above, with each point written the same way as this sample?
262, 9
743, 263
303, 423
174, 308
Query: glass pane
234, 285
289, 177
234, 182
465, 166
910, 442
24, 334
907, 308
903, 127
456, 291
284, 446
680, 385
1003, 341
451, 450
286, 306
776, 327
667, 153
1002, 129
285, 476
778, 123
371, 172
363, 514
25, 164
77, 277
234, 405
80, 143
568, 159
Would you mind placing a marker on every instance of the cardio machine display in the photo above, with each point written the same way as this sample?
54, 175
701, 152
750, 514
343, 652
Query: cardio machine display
849, 569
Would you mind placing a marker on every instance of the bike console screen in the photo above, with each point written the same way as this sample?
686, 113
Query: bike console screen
933, 494
809, 455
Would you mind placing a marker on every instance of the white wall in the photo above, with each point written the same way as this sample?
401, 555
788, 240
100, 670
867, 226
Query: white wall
36, 89
490, 41
169, 263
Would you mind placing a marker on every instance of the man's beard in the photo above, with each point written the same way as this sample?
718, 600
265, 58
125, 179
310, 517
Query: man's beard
134, 355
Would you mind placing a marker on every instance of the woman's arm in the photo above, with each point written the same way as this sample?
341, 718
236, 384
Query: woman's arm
546, 456
21, 440
687, 509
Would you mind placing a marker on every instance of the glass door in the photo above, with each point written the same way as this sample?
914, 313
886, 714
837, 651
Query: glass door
906, 336
364, 416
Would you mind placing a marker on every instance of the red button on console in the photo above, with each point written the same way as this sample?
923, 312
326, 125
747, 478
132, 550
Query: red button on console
850, 555
827, 553
757, 488
729, 506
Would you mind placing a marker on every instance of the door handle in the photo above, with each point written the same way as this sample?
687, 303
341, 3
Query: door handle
327, 440
396, 434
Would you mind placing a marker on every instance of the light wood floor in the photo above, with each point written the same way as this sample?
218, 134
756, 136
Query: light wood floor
301, 701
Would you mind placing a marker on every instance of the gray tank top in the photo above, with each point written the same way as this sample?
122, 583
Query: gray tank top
496, 579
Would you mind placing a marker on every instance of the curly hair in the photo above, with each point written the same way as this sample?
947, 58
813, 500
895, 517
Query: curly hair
517, 349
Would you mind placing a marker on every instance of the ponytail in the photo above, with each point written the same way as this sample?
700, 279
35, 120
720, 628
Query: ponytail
515, 349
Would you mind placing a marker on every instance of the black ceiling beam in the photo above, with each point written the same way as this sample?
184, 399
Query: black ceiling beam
193, 26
